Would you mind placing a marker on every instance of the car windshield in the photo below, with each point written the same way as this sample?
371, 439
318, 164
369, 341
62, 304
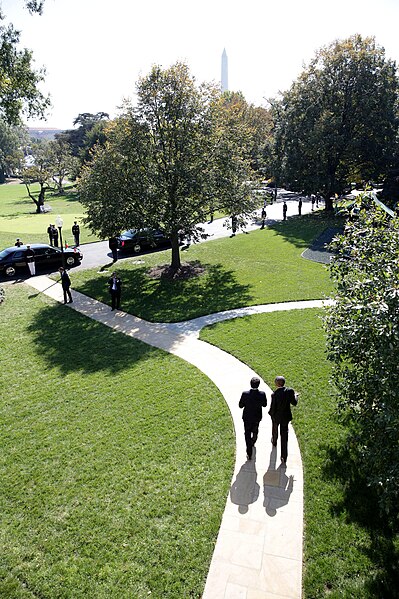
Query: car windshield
129, 234
5, 253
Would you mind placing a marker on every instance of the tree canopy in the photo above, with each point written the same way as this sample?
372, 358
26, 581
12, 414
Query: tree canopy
363, 344
168, 161
338, 122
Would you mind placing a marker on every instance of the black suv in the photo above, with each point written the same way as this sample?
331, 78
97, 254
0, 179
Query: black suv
135, 240
47, 257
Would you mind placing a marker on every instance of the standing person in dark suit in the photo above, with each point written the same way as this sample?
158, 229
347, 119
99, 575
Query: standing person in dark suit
113, 246
76, 232
18, 242
115, 285
252, 401
284, 211
50, 233
280, 412
300, 206
30, 260
66, 285
54, 232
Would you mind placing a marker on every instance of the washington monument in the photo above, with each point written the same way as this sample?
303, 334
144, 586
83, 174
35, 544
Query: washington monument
225, 73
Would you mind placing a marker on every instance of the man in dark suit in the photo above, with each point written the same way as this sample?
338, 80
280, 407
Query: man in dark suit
252, 401
66, 285
76, 232
115, 285
280, 412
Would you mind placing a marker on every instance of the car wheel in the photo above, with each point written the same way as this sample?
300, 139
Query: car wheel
137, 248
70, 261
10, 271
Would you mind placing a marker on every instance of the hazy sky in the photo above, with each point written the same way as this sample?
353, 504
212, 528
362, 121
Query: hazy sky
95, 50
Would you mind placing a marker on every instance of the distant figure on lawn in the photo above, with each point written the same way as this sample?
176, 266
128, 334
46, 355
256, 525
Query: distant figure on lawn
263, 217
300, 206
30, 260
284, 211
50, 233
76, 232
18, 242
66, 285
115, 288
113, 246
252, 401
280, 412
54, 233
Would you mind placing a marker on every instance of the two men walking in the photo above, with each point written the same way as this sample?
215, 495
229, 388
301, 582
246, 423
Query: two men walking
280, 412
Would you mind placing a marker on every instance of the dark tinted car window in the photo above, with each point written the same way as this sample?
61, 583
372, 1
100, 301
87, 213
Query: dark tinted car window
5, 253
18, 255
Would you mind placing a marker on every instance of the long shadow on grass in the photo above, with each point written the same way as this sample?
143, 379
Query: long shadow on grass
302, 230
165, 300
72, 342
360, 505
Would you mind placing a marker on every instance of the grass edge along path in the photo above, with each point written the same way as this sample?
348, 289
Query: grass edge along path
115, 464
348, 552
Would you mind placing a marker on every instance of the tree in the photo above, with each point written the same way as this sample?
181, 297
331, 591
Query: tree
168, 161
90, 131
338, 122
19, 82
62, 163
12, 140
363, 344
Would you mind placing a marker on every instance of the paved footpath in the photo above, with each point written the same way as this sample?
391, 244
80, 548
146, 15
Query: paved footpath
258, 553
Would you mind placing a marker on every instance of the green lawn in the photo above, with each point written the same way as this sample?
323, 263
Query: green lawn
261, 267
115, 460
349, 553
18, 217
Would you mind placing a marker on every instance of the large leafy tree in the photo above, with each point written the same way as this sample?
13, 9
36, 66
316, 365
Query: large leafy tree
363, 344
12, 140
19, 93
338, 122
168, 161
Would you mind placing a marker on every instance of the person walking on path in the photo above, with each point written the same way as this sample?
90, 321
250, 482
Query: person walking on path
30, 260
285, 211
76, 232
115, 288
263, 214
113, 246
66, 285
300, 206
50, 233
252, 401
280, 412
233, 225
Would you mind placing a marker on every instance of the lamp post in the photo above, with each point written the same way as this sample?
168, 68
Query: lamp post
59, 222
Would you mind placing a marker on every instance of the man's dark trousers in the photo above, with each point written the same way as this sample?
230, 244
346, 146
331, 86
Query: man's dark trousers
115, 298
283, 437
251, 430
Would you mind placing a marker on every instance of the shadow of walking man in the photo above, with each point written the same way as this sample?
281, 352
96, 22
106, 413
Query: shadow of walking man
245, 489
277, 486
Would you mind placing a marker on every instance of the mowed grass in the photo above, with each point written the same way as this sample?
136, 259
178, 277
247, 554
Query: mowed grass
115, 460
19, 219
264, 266
349, 551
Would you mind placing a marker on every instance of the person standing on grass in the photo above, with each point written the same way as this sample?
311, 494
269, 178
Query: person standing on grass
280, 412
115, 288
252, 401
76, 232
263, 215
50, 233
300, 206
30, 260
66, 285
54, 232
18, 242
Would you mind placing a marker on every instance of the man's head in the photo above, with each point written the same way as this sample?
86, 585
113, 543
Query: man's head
255, 382
61, 269
279, 381
28, 246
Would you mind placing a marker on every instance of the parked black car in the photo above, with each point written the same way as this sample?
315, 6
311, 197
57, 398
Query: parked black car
135, 240
12, 259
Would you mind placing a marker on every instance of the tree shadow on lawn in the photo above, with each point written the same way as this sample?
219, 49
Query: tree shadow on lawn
301, 231
166, 300
72, 342
360, 505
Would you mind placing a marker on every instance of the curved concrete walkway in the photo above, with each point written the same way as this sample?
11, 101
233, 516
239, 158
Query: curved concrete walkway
258, 553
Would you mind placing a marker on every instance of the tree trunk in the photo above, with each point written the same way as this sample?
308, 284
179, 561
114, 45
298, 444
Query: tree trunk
329, 203
176, 263
40, 201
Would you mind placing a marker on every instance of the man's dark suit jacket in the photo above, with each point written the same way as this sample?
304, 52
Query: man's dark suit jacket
252, 402
118, 284
280, 408
65, 280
